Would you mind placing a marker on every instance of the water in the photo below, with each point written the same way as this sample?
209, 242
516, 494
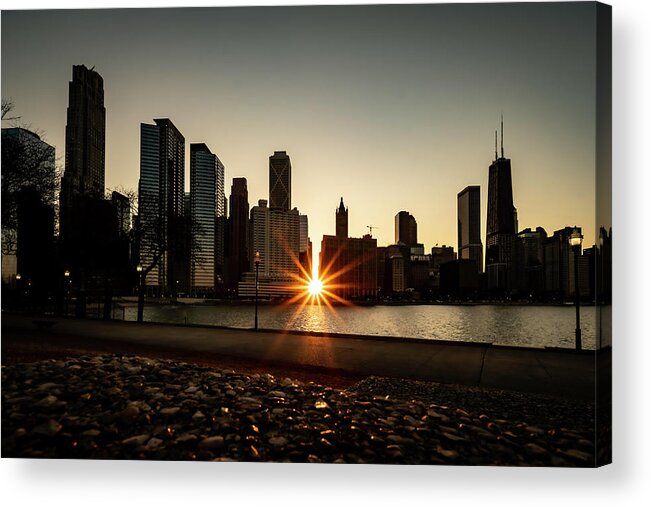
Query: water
531, 326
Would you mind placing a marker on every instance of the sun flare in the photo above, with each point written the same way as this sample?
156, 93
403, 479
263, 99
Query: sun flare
315, 287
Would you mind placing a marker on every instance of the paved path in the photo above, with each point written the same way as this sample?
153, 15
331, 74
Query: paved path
554, 372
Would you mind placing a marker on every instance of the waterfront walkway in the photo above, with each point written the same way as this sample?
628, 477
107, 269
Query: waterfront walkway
564, 373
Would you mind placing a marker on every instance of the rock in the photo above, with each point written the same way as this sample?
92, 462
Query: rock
394, 451
186, 438
130, 413
535, 448
46, 386
534, 430
154, 443
452, 438
136, 440
447, 453
169, 410
577, 455
49, 428
278, 441
48, 401
211, 443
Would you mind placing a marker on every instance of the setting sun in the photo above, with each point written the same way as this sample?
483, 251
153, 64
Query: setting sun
315, 287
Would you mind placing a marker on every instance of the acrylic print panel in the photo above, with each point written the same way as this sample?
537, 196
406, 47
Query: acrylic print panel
329, 234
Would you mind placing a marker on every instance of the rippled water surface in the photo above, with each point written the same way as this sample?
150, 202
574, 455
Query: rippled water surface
536, 326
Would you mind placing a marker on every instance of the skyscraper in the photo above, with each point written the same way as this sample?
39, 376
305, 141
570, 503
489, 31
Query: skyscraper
206, 207
531, 260
161, 204
406, 229
237, 254
469, 226
500, 225
305, 246
349, 265
85, 142
259, 241
341, 218
280, 181
559, 264
276, 235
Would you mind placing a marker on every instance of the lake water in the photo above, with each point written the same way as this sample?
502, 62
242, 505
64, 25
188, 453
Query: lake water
531, 326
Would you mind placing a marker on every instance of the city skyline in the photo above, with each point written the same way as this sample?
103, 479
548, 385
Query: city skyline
386, 144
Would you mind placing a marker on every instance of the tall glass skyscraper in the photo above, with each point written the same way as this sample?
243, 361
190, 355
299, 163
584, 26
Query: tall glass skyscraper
280, 181
160, 203
500, 225
469, 225
207, 206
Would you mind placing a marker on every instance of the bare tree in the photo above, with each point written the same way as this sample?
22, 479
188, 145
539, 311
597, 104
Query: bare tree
151, 233
27, 162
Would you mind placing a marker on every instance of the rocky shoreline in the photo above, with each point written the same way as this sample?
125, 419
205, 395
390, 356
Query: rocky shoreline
130, 407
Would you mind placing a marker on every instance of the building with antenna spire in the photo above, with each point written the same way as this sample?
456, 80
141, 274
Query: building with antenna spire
501, 227
341, 218
348, 266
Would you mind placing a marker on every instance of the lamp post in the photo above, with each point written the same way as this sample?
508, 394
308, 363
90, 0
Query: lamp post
66, 278
576, 238
257, 269
18, 290
141, 292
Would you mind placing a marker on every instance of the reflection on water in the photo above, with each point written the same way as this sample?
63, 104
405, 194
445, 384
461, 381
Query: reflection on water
535, 326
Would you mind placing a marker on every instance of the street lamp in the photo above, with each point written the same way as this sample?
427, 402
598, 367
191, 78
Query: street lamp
141, 292
576, 238
18, 290
66, 276
257, 269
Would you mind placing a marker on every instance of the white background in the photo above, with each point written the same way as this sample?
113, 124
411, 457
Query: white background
626, 482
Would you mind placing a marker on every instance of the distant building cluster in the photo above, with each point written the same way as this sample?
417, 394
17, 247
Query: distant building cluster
203, 243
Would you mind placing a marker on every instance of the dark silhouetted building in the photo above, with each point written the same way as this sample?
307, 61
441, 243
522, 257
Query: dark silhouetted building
421, 273
305, 247
396, 273
280, 181
85, 143
28, 174
440, 255
237, 242
348, 266
531, 261
206, 208
500, 227
162, 228
459, 278
559, 264
341, 220
469, 226
406, 229
35, 244
604, 267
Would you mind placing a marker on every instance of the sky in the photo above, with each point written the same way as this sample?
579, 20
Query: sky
390, 107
